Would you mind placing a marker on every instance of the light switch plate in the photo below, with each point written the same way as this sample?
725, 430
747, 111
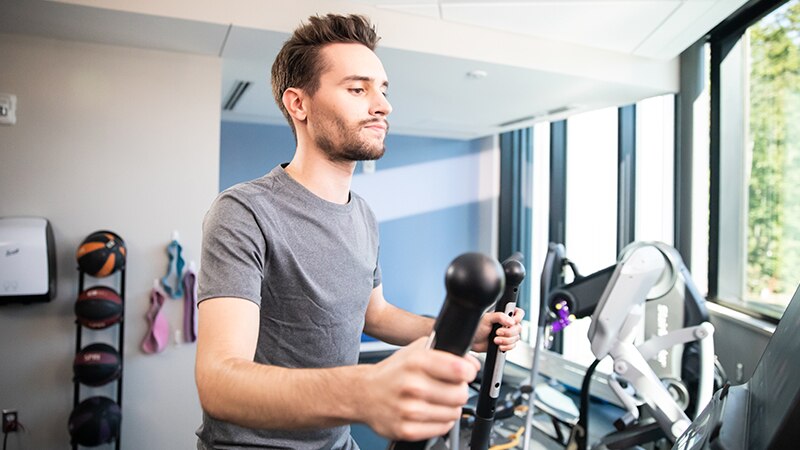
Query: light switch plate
8, 109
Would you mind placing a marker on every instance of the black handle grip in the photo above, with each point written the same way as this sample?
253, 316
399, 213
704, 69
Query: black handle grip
492, 377
473, 282
481, 433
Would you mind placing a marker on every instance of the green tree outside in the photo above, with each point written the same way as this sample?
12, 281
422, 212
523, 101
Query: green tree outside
773, 241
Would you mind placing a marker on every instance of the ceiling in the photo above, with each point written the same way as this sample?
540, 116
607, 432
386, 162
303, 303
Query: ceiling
539, 59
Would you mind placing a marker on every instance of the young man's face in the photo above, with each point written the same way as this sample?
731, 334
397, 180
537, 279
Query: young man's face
347, 114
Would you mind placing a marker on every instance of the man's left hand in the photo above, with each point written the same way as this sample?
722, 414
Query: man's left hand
507, 335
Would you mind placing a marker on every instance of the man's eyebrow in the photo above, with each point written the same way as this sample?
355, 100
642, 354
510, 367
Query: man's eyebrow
363, 78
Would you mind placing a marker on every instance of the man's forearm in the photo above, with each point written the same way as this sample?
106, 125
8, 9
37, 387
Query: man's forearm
398, 326
261, 396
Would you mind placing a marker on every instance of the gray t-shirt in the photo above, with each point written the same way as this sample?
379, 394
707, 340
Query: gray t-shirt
311, 265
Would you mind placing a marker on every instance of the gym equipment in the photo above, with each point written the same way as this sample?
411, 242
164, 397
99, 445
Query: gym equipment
94, 421
101, 254
554, 262
473, 282
27, 260
492, 377
764, 412
157, 336
172, 281
98, 307
97, 364
614, 297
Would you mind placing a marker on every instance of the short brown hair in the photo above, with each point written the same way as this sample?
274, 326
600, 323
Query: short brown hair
299, 64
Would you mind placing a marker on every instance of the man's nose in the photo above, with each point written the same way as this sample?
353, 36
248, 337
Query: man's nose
380, 104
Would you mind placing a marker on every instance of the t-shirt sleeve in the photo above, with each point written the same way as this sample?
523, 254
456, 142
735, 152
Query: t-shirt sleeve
233, 252
376, 275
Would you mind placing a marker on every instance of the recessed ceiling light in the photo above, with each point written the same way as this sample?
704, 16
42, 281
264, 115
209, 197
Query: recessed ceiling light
477, 74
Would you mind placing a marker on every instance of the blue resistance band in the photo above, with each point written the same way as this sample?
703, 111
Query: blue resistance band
176, 264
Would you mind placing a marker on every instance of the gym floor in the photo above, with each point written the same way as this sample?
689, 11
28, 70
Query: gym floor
601, 418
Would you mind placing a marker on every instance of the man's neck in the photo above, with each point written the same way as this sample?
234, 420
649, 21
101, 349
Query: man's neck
329, 180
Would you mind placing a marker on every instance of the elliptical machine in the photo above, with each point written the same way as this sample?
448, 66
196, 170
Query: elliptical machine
666, 371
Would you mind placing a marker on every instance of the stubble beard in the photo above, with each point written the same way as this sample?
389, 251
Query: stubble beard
351, 147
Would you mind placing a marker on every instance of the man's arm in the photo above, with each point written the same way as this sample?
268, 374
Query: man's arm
397, 326
414, 394
391, 324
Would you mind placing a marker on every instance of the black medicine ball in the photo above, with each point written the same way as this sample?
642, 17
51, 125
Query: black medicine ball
98, 307
96, 365
101, 254
95, 421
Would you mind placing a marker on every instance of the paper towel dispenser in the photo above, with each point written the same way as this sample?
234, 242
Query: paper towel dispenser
27, 260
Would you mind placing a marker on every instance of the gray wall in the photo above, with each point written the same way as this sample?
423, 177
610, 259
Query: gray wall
106, 138
739, 341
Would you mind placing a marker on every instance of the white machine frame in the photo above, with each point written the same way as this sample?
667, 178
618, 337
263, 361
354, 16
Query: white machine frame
613, 331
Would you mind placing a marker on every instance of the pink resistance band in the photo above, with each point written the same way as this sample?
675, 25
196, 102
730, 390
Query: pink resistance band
157, 336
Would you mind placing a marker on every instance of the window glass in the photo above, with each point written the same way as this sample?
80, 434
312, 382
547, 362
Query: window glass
591, 222
772, 155
655, 156
701, 114
540, 218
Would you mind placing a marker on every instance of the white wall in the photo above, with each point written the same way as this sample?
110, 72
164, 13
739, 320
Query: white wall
106, 138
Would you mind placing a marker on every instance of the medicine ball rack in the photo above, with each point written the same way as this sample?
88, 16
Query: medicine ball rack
120, 347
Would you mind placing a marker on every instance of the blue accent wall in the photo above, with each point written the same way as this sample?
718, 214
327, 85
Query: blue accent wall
250, 150
407, 150
416, 249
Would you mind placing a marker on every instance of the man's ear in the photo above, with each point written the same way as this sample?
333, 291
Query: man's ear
293, 102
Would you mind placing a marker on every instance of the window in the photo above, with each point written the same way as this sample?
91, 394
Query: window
773, 160
757, 208
655, 136
591, 222
540, 196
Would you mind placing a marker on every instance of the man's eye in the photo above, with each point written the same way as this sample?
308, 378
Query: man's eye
357, 90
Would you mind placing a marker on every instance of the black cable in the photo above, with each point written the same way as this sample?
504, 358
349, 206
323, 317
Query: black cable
5, 440
583, 419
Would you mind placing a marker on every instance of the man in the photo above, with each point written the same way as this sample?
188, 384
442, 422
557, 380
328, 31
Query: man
290, 277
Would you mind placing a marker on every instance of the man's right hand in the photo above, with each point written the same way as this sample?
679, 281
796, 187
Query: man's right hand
417, 393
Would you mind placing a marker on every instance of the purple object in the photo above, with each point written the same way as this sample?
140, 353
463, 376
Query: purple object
157, 337
563, 317
189, 305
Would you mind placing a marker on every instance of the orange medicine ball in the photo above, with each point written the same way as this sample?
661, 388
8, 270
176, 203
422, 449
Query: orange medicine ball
101, 254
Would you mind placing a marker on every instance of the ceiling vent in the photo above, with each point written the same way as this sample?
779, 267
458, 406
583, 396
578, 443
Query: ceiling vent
516, 121
560, 110
238, 90
548, 113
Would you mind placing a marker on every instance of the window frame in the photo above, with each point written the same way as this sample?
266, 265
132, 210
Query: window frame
724, 262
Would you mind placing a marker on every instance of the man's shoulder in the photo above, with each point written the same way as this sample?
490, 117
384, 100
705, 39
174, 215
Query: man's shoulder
252, 190
362, 206
260, 185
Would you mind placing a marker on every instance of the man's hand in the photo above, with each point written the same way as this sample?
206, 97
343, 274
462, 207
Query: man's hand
507, 334
417, 393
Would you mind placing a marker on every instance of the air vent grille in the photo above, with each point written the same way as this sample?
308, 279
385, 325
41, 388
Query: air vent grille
236, 94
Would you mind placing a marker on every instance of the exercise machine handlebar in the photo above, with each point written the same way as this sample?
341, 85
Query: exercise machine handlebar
495, 360
473, 282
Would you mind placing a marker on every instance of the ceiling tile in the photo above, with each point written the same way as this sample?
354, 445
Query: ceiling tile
431, 10
611, 25
78, 23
